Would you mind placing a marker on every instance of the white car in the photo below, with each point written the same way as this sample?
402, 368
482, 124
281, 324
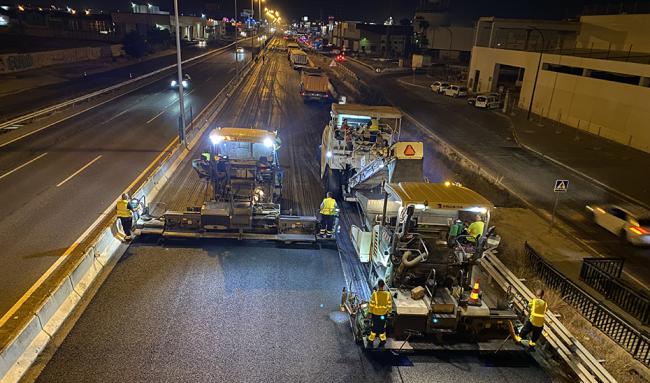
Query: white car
629, 224
439, 86
456, 91
202, 44
240, 50
487, 101
187, 80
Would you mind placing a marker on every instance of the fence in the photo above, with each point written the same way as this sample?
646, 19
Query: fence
635, 342
603, 274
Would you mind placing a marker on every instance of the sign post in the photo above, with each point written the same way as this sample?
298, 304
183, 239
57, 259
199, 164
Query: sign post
561, 186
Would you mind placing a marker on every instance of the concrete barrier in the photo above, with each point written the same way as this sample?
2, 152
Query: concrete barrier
19, 354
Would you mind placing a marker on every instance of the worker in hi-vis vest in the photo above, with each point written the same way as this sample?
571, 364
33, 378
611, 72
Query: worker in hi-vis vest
535, 322
328, 209
381, 303
125, 215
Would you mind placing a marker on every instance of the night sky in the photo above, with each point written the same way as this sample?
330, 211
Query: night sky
463, 11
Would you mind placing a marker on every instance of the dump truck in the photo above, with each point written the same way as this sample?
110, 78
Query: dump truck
314, 85
298, 59
244, 189
432, 270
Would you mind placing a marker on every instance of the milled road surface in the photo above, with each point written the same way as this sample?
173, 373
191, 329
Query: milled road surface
248, 312
55, 183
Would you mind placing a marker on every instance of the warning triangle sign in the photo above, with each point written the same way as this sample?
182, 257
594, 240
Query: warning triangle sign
409, 151
333, 64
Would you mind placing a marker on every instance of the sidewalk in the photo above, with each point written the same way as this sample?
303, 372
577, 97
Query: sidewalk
615, 167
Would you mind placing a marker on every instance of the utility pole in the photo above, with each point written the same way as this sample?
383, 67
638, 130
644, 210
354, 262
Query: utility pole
539, 64
181, 125
252, 18
236, 52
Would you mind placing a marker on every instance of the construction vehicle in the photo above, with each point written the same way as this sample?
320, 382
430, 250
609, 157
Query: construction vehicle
416, 245
298, 59
314, 85
245, 183
361, 161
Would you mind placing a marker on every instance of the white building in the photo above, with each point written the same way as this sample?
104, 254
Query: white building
593, 75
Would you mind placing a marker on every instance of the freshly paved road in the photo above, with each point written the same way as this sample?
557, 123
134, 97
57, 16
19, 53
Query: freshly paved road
248, 312
55, 183
488, 137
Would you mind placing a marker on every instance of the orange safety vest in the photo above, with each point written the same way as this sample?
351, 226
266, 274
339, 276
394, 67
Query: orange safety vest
537, 311
381, 302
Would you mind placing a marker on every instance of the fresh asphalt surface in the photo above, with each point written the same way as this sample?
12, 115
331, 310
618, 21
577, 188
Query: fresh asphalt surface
487, 136
248, 312
79, 166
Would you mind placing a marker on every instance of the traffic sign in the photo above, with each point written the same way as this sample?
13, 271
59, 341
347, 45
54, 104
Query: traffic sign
561, 186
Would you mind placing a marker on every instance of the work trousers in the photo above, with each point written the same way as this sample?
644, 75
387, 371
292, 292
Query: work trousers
126, 225
378, 327
528, 328
327, 223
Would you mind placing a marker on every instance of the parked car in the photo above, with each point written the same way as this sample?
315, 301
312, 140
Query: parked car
629, 224
439, 86
456, 91
471, 100
488, 101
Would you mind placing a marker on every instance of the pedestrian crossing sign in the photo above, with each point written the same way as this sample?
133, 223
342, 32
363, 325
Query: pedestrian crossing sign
561, 186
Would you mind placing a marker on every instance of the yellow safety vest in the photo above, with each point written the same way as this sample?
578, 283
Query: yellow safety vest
537, 310
381, 302
328, 207
123, 209
374, 125
475, 229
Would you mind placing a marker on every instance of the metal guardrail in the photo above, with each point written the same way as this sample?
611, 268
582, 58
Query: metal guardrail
634, 341
51, 109
604, 277
557, 337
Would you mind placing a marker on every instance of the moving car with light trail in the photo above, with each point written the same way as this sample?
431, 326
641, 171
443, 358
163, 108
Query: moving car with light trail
630, 223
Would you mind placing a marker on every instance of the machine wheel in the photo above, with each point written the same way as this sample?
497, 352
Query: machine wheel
333, 182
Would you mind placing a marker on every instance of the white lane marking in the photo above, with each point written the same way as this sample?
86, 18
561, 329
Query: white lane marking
79, 171
115, 116
22, 166
12, 127
156, 116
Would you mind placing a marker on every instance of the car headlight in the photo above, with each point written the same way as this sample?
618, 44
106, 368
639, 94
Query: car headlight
173, 83
185, 84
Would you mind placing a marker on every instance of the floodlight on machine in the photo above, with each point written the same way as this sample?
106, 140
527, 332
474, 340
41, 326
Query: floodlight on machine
268, 142
328, 154
216, 138
477, 209
420, 206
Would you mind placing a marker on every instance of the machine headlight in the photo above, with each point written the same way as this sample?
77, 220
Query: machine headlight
173, 83
185, 83
477, 209
268, 142
328, 154
216, 138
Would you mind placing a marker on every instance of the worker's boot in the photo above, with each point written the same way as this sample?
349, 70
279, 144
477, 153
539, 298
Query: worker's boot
531, 345
517, 339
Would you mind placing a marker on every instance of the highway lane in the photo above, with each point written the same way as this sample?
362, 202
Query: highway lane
248, 312
488, 137
17, 104
102, 150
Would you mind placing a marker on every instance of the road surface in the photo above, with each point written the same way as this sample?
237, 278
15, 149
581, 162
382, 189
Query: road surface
248, 312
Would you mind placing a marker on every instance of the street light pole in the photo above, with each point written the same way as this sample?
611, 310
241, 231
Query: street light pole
181, 126
539, 63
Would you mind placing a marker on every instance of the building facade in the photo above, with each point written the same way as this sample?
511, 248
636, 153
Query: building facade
593, 75
372, 39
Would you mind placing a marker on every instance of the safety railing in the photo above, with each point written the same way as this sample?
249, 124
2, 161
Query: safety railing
603, 276
633, 340
557, 337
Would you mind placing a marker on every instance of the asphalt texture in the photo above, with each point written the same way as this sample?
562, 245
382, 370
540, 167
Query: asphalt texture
488, 139
15, 105
54, 184
248, 312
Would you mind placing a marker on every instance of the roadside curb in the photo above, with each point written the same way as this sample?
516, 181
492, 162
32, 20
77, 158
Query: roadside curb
36, 334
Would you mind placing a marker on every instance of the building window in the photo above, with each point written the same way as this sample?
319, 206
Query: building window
562, 69
615, 77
